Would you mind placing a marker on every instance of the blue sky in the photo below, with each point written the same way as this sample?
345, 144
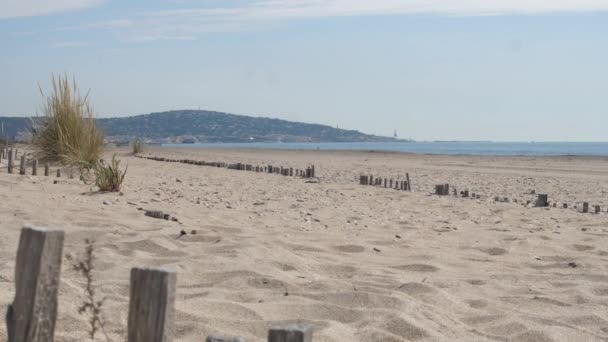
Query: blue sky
510, 70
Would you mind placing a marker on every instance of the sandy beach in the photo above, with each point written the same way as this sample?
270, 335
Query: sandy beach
359, 263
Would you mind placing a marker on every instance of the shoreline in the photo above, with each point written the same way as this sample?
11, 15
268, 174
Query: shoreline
185, 147
422, 148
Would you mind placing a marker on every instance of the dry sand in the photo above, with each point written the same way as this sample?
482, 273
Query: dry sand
359, 263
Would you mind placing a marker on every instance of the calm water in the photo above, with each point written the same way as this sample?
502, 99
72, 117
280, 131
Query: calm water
473, 148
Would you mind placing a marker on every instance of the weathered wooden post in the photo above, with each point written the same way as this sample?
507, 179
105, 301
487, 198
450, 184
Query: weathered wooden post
385, 182
409, 184
31, 317
597, 209
290, 333
439, 189
10, 161
151, 305
22, 165
446, 189
291, 172
542, 200
466, 193
565, 205
34, 167
371, 180
313, 171
46, 169
391, 184
58, 173
585, 207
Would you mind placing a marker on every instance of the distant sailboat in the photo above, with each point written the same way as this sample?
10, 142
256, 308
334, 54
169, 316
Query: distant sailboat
395, 134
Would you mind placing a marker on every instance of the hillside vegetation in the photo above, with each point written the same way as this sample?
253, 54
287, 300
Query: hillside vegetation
209, 126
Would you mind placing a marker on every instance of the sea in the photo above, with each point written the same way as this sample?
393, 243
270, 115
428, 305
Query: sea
450, 148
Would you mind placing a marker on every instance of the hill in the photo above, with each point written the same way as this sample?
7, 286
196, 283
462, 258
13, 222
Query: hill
209, 126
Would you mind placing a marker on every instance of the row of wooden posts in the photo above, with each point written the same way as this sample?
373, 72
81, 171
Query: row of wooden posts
541, 201
403, 185
444, 190
309, 172
9, 154
32, 315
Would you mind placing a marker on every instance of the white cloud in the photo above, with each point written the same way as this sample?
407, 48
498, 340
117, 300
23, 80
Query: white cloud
185, 23
32, 8
290, 9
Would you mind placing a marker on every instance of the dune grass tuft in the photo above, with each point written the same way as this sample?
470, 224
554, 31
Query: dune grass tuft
138, 146
66, 133
107, 177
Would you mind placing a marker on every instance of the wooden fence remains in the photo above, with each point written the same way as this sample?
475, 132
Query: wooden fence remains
309, 172
403, 185
32, 315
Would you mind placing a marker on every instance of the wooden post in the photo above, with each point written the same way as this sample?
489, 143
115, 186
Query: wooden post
313, 171
34, 167
409, 184
22, 165
565, 205
371, 180
439, 189
542, 200
466, 193
291, 171
290, 333
46, 169
385, 182
31, 317
58, 173
151, 305
597, 209
10, 160
446, 190
585, 207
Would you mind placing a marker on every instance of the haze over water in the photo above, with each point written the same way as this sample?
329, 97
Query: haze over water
450, 148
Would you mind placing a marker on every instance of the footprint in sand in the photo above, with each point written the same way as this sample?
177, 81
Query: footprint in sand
494, 250
415, 289
149, 246
350, 248
476, 282
600, 291
417, 268
582, 248
508, 329
477, 303
532, 336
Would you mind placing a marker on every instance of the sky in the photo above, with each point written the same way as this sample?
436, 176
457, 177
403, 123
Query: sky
501, 70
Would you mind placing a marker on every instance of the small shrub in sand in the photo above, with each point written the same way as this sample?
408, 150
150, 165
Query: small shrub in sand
138, 146
107, 177
66, 133
91, 305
